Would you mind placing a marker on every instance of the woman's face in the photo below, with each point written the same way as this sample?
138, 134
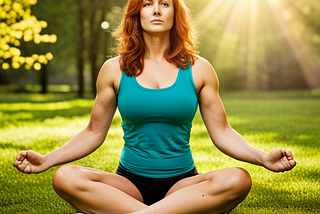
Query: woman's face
156, 16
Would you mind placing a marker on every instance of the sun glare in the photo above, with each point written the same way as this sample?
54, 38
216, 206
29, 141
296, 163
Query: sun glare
246, 19
299, 49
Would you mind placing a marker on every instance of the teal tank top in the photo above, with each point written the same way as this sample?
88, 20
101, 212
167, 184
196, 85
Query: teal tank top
157, 125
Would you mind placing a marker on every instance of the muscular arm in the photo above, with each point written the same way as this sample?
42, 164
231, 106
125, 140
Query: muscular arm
90, 138
222, 135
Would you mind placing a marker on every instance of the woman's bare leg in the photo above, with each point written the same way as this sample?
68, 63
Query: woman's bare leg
213, 192
94, 191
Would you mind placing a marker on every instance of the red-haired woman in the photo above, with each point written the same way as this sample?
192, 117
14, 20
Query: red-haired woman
157, 82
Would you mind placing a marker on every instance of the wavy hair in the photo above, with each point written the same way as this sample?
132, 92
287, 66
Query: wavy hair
131, 46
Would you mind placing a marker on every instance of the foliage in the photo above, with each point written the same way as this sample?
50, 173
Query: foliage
62, 21
83, 45
261, 45
253, 45
19, 25
267, 121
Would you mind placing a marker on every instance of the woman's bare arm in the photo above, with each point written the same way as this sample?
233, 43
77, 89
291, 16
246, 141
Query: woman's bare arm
91, 137
223, 136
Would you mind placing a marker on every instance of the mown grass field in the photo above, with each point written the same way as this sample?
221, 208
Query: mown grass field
267, 121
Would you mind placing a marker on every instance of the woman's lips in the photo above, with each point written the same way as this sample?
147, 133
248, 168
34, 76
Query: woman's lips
157, 21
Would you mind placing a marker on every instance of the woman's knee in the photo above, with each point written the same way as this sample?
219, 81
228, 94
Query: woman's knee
236, 181
239, 181
65, 178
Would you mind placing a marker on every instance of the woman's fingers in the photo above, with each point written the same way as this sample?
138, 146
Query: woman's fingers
22, 163
288, 154
287, 160
21, 155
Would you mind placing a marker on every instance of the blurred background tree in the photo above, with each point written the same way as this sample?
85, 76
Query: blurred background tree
261, 44
252, 44
17, 26
82, 46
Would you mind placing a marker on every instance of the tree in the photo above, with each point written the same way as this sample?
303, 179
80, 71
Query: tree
93, 41
91, 13
304, 25
80, 48
83, 44
19, 25
61, 16
253, 44
97, 40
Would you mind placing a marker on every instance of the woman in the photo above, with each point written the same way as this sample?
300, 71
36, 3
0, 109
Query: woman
157, 82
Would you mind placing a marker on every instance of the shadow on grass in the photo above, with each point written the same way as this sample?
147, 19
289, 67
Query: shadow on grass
15, 109
278, 198
35, 98
15, 117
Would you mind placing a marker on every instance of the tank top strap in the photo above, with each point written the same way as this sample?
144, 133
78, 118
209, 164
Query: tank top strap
187, 77
124, 81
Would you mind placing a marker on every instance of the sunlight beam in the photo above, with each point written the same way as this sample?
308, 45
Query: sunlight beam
207, 11
300, 50
252, 38
235, 19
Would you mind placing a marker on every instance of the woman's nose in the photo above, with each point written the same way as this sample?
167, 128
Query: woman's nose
156, 11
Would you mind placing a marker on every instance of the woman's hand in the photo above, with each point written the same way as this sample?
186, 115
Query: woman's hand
279, 160
30, 162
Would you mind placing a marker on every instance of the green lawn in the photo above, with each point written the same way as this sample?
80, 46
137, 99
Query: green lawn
266, 120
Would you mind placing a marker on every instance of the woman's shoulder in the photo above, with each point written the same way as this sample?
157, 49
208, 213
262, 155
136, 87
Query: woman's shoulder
111, 68
110, 72
202, 65
112, 65
203, 70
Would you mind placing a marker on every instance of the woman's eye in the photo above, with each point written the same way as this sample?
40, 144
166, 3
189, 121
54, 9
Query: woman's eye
162, 4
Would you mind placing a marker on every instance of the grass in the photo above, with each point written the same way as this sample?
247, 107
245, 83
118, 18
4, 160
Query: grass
267, 121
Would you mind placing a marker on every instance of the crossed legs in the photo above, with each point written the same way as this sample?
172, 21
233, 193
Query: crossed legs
94, 191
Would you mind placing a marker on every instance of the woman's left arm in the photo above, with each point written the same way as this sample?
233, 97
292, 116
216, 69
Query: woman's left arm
222, 135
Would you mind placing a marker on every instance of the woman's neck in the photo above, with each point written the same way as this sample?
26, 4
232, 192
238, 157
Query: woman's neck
156, 46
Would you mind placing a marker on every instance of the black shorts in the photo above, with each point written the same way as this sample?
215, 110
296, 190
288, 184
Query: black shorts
153, 189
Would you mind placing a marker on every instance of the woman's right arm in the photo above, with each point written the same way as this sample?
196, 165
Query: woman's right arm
90, 138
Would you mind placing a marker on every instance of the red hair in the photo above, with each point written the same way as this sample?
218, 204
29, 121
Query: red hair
131, 47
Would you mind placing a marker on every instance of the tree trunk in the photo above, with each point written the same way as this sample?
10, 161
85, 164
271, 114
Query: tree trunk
44, 79
80, 49
96, 17
2, 81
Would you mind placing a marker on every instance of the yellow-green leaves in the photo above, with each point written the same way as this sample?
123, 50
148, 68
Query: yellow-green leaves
17, 25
